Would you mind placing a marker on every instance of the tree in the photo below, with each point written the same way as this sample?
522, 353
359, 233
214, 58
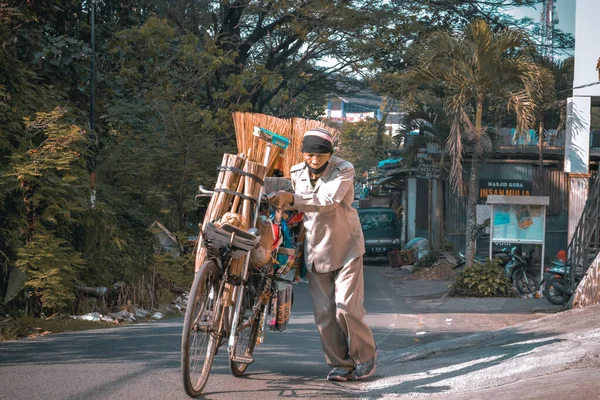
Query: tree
477, 68
359, 144
51, 179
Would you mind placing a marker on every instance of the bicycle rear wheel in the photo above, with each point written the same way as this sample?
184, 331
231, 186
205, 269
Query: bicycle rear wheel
247, 331
200, 338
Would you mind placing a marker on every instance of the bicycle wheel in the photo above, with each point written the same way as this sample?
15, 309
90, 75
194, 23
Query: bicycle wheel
199, 340
526, 282
246, 332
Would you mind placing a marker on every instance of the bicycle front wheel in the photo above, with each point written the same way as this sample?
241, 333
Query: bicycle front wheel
247, 332
200, 337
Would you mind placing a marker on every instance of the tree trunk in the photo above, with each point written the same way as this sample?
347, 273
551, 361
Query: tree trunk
439, 207
471, 240
541, 144
471, 245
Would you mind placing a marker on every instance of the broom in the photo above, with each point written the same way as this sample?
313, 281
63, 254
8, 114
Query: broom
292, 129
255, 148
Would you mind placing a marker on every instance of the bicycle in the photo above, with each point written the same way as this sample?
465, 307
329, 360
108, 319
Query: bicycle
224, 305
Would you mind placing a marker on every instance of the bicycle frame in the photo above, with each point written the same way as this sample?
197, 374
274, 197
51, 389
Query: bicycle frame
223, 265
239, 287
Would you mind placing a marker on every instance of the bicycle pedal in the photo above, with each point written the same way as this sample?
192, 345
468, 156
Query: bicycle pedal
242, 359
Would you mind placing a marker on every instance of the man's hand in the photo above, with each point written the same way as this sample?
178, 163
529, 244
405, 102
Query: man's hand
280, 199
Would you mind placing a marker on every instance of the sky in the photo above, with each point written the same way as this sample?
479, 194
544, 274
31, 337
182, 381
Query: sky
564, 8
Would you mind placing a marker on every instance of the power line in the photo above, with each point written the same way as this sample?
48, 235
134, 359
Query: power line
580, 87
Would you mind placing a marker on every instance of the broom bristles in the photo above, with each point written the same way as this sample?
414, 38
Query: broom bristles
292, 129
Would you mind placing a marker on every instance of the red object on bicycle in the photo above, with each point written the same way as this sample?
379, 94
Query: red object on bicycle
277, 237
297, 217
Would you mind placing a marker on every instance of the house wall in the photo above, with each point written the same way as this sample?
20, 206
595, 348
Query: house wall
552, 182
579, 107
587, 47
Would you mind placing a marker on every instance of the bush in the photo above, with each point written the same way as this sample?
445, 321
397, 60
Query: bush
447, 247
482, 280
427, 260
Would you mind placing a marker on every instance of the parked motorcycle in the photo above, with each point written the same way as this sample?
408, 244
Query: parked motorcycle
554, 283
518, 270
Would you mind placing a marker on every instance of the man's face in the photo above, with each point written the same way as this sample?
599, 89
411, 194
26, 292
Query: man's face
316, 160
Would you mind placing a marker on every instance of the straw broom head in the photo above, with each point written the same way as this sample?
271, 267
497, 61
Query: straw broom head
247, 143
293, 129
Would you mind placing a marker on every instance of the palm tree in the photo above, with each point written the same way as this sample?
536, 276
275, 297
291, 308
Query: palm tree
477, 68
428, 116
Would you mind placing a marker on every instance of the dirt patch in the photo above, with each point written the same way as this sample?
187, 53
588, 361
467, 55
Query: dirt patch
440, 271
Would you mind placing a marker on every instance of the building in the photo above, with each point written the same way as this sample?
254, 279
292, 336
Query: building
583, 109
568, 160
361, 106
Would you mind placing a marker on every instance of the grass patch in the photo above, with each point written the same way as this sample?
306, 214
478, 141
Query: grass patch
28, 326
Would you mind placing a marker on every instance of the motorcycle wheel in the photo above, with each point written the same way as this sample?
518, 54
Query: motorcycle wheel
551, 294
526, 282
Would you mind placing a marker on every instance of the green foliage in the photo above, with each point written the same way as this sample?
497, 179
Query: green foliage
177, 272
50, 178
482, 280
52, 267
113, 251
428, 260
358, 144
447, 247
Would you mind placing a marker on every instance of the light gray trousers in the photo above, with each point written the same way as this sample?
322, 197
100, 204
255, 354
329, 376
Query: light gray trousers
338, 298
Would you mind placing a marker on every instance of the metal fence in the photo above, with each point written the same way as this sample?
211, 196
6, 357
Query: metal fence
508, 137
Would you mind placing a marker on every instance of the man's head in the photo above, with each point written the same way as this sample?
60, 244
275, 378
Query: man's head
317, 147
317, 140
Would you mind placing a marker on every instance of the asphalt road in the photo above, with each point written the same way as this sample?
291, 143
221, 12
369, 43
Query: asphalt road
142, 361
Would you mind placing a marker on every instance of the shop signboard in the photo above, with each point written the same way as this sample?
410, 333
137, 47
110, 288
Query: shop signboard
503, 187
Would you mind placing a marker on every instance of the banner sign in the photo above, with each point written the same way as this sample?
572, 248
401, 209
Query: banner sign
426, 170
503, 187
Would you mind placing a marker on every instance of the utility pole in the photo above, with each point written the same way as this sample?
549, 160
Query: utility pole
92, 155
93, 67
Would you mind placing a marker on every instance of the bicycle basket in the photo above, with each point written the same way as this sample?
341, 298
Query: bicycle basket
238, 239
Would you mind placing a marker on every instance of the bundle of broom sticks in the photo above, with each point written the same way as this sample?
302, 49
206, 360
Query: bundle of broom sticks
226, 204
293, 129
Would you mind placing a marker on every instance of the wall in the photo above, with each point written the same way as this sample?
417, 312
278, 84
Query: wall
587, 48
